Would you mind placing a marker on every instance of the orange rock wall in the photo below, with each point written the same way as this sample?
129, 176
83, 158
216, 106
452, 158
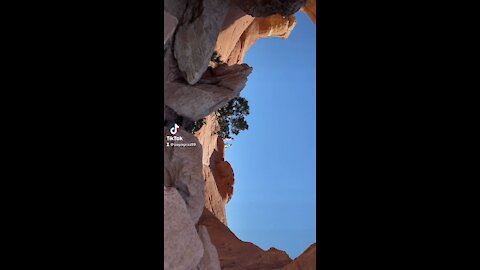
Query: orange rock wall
311, 9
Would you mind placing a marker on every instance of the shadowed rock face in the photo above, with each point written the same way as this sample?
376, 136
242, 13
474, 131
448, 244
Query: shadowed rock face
183, 171
218, 174
235, 254
169, 26
222, 172
196, 37
213, 200
210, 259
183, 248
175, 7
264, 8
217, 87
311, 9
207, 136
306, 261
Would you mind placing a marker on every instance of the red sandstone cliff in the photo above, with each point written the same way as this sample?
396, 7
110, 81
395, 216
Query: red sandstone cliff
305, 261
311, 9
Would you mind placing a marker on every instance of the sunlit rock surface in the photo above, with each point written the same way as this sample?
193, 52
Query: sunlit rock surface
233, 47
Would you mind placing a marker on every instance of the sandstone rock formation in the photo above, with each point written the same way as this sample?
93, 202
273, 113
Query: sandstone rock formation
240, 30
235, 254
233, 29
213, 199
306, 261
311, 9
272, 26
222, 172
232, 46
207, 136
218, 174
199, 182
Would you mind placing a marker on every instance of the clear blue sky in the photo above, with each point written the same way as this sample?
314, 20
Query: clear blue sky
273, 204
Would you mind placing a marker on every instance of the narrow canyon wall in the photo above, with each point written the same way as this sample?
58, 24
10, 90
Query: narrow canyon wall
198, 181
311, 9
217, 173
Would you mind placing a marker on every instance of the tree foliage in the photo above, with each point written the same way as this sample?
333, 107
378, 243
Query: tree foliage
197, 125
231, 117
216, 58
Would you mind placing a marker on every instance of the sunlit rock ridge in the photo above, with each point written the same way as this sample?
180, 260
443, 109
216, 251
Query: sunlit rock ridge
199, 182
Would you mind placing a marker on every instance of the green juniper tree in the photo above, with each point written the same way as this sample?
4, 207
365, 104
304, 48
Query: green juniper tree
231, 117
216, 58
197, 125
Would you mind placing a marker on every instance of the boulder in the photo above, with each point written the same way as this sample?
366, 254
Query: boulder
169, 26
196, 38
183, 249
175, 7
210, 259
272, 26
264, 8
183, 170
218, 86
